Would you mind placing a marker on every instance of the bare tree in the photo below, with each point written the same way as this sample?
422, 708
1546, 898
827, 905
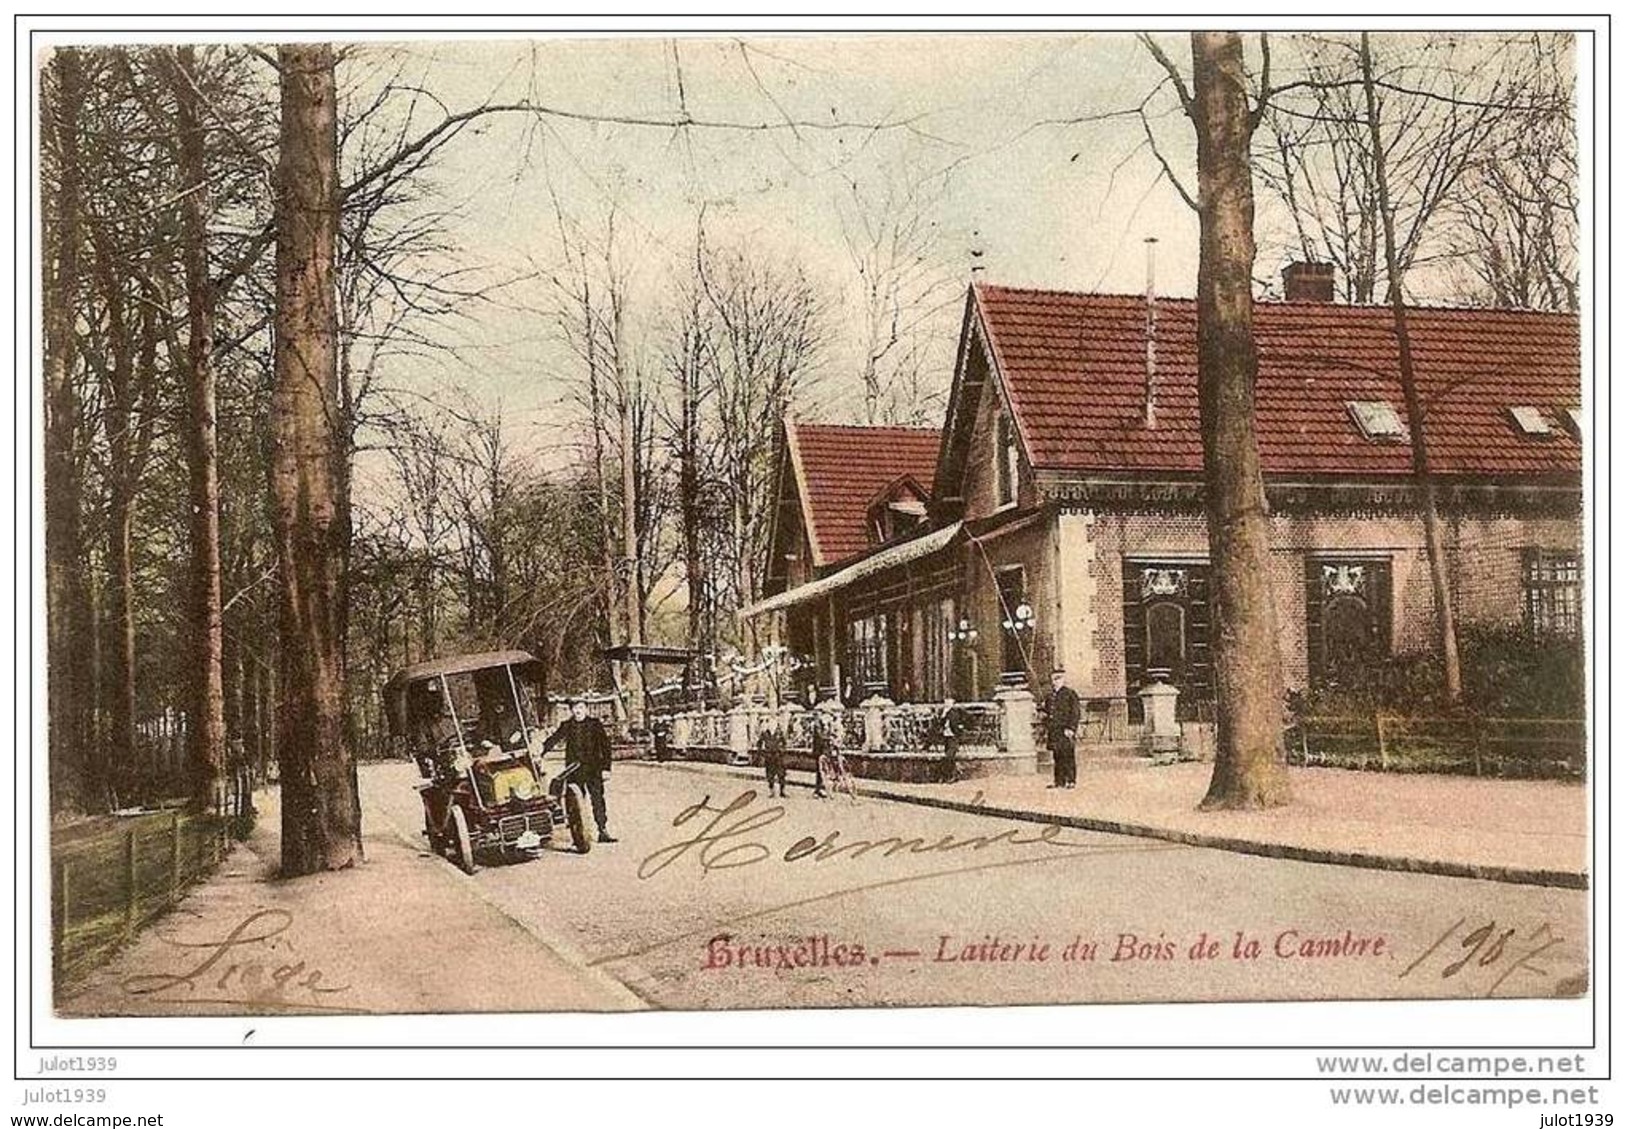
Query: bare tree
321, 816
1248, 769
1515, 225
1444, 609
771, 331
426, 470
689, 353
894, 242
1455, 109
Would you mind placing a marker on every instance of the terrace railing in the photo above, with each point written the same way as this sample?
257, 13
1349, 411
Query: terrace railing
877, 726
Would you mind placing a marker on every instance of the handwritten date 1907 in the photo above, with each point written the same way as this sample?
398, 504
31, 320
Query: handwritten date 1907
727, 840
1502, 951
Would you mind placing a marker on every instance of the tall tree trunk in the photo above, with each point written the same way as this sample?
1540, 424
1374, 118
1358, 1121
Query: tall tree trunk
321, 817
207, 721
118, 682
69, 633
1248, 770
601, 481
626, 407
1438, 569
688, 488
118, 422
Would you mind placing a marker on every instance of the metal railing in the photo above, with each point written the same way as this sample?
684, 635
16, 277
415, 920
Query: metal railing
880, 727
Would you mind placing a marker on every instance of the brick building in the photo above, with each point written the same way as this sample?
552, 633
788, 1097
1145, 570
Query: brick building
1057, 518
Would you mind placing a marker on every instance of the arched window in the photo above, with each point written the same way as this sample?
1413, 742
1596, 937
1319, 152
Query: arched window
1346, 609
1165, 640
1349, 635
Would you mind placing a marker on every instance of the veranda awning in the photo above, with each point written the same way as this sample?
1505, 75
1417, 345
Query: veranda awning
904, 553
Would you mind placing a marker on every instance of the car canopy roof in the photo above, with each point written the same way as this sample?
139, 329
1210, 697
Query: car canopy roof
395, 688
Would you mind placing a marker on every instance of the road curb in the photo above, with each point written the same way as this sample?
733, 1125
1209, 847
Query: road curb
562, 950
1512, 875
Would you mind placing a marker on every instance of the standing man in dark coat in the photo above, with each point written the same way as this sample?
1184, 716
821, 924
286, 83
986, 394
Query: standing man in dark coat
952, 729
586, 747
770, 743
820, 740
1062, 711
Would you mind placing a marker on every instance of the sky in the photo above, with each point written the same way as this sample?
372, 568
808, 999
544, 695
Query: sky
1046, 203
1048, 180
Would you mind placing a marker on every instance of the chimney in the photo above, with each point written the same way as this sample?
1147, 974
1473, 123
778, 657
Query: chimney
1310, 282
1151, 331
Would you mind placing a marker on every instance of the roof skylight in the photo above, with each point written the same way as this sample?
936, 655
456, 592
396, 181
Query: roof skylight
1530, 421
1377, 420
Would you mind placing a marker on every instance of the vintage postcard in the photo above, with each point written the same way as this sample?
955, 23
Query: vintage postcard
745, 521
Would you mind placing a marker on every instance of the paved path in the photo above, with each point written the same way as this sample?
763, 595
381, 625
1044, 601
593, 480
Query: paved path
807, 903
1521, 830
402, 933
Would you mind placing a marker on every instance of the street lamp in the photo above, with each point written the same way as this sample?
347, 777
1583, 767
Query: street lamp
962, 637
1021, 619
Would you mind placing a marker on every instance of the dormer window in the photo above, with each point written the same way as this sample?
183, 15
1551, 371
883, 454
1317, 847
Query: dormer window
1530, 422
1377, 420
898, 510
1009, 459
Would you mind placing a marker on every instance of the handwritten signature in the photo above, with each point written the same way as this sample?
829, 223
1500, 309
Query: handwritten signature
1489, 946
239, 964
727, 842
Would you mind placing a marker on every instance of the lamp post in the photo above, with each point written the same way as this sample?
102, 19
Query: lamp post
962, 638
1019, 623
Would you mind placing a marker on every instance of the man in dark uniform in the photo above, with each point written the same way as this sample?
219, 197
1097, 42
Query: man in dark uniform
820, 740
952, 729
1062, 711
770, 743
586, 746
436, 732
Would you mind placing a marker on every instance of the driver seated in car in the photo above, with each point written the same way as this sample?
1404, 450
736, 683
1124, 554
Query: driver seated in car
437, 732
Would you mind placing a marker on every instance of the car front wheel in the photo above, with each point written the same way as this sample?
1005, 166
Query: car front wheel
461, 841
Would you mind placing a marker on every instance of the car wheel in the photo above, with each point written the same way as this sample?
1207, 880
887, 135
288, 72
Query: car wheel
464, 845
575, 815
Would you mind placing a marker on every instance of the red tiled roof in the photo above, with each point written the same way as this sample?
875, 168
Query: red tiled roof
1075, 369
845, 467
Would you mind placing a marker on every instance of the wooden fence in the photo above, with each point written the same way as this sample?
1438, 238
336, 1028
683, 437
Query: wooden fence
114, 875
1525, 747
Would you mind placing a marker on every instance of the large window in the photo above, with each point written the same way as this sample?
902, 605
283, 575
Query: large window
1008, 458
866, 645
1346, 606
1551, 592
1166, 628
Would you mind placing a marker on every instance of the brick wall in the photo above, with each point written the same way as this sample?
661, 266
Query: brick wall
1485, 555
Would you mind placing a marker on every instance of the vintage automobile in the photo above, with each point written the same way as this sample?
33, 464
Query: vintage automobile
470, 723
